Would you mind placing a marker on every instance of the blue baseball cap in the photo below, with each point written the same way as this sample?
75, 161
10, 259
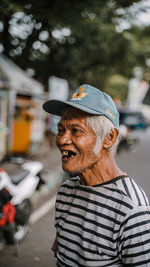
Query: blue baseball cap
88, 99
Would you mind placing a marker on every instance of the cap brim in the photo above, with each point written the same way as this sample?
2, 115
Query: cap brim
56, 107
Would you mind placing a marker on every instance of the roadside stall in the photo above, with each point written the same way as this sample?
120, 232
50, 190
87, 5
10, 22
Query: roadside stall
3, 113
22, 113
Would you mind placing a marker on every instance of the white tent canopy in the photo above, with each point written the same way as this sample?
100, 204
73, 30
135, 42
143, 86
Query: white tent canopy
18, 80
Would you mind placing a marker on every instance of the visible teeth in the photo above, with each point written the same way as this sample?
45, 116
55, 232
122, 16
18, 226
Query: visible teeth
65, 153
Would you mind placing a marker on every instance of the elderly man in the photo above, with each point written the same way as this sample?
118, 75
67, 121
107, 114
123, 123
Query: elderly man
102, 215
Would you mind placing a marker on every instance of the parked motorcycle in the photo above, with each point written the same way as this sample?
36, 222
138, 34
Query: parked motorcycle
15, 200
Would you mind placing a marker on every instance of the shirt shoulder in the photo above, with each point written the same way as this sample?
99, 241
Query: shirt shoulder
70, 183
133, 191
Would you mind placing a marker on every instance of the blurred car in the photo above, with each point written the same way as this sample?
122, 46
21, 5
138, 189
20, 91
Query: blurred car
134, 120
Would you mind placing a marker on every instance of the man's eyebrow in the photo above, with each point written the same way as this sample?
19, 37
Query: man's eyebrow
75, 125
71, 125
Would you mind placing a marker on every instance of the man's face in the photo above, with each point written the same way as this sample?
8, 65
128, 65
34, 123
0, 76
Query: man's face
76, 142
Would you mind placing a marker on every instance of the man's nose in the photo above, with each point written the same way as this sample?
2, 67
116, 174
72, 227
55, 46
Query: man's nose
64, 139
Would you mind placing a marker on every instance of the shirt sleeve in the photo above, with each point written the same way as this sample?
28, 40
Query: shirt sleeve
134, 242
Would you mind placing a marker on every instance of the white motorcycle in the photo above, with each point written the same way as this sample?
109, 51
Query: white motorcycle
15, 200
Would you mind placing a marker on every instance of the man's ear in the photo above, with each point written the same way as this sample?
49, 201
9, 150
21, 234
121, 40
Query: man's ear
110, 139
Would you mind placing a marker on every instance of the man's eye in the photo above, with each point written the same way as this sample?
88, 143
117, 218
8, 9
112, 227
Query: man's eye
76, 131
60, 130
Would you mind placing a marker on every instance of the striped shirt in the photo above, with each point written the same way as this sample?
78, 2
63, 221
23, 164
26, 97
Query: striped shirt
102, 225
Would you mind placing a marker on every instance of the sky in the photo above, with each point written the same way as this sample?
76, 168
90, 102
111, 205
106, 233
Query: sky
143, 17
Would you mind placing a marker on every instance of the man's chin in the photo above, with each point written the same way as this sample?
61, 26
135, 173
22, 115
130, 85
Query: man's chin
68, 170
75, 172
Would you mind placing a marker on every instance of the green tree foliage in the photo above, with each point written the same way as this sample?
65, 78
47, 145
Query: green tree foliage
116, 86
75, 40
141, 46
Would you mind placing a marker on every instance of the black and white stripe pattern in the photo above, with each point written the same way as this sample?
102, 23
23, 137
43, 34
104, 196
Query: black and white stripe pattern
103, 225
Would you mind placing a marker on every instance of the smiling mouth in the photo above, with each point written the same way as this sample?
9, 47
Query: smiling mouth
67, 154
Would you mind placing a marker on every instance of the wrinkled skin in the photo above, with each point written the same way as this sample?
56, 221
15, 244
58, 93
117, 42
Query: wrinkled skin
74, 135
76, 142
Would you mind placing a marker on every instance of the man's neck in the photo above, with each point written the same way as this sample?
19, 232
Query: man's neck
104, 170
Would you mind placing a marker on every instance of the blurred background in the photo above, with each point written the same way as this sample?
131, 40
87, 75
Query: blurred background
48, 49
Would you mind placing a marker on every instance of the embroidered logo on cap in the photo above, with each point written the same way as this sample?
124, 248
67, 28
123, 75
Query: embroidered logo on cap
110, 114
80, 93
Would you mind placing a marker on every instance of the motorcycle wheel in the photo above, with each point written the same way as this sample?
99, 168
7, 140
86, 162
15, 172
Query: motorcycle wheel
21, 225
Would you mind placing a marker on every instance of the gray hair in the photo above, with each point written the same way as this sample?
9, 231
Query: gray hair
100, 125
102, 128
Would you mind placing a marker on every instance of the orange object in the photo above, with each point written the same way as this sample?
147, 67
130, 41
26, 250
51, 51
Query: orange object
21, 136
21, 127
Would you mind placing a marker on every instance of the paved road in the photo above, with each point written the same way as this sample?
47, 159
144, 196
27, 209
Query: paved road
137, 164
35, 249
